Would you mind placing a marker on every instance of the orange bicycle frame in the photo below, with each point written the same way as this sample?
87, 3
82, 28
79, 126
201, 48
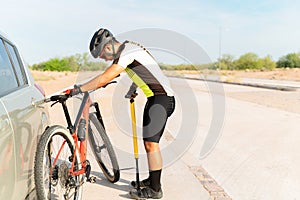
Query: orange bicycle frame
79, 146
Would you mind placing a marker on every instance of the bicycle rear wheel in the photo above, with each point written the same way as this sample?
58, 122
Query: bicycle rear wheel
53, 181
103, 150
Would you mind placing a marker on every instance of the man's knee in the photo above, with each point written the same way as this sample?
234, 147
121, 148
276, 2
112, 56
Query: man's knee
151, 146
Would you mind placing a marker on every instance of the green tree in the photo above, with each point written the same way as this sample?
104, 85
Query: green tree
73, 63
291, 60
266, 63
76, 62
54, 64
247, 61
226, 62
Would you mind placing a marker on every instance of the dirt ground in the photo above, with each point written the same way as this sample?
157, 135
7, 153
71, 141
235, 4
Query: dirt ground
277, 74
56, 81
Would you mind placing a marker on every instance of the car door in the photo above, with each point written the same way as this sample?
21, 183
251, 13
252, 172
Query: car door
27, 121
7, 152
7, 142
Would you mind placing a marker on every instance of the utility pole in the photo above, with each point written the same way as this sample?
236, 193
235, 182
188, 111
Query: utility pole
220, 45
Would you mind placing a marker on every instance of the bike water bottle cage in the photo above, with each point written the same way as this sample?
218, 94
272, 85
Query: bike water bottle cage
99, 40
81, 130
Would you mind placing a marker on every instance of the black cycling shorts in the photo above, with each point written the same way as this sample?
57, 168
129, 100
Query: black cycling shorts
156, 112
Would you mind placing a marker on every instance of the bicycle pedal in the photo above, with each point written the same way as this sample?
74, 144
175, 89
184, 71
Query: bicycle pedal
92, 179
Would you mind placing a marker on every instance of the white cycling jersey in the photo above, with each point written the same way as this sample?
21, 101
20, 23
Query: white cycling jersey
143, 70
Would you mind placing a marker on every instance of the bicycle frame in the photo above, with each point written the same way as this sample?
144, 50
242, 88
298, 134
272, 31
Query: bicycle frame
83, 112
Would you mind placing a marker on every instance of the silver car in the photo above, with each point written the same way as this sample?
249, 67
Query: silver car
22, 121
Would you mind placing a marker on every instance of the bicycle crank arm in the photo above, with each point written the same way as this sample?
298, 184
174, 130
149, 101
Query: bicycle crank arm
91, 179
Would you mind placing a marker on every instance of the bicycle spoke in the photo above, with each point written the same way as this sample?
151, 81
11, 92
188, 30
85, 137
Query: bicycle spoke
56, 182
103, 150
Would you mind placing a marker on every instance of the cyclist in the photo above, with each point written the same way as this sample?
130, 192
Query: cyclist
145, 73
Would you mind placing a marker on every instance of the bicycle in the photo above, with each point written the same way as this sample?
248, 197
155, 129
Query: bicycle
61, 165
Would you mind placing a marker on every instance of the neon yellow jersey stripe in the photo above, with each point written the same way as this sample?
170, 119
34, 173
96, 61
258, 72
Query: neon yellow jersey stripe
139, 82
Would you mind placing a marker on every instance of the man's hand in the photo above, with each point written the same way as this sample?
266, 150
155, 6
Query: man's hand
74, 91
131, 94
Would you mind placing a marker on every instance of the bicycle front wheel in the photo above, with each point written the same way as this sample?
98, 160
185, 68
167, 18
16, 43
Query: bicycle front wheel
53, 162
103, 150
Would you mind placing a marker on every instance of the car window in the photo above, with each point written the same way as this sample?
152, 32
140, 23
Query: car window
8, 79
15, 60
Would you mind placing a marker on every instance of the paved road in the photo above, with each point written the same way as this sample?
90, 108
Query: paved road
254, 157
257, 156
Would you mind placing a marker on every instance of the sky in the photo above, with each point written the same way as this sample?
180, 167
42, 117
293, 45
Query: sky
43, 29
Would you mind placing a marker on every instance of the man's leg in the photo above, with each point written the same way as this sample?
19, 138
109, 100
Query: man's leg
154, 155
154, 164
154, 121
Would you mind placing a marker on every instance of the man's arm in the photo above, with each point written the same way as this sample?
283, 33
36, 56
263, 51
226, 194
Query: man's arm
109, 74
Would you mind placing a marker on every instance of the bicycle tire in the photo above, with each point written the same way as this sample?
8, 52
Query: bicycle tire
55, 185
103, 150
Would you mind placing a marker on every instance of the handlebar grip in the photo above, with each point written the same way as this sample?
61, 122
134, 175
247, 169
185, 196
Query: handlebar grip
60, 98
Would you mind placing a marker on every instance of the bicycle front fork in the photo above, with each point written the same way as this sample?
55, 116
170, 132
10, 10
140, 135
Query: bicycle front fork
98, 114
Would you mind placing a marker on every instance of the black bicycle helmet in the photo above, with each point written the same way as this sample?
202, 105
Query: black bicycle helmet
100, 38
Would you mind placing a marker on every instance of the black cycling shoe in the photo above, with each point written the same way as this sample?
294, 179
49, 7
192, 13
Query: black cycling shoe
143, 183
145, 193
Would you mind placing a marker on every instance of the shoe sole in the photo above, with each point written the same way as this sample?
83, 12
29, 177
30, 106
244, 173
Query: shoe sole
140, 198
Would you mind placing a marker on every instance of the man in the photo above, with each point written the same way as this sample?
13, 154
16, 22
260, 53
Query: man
145, 73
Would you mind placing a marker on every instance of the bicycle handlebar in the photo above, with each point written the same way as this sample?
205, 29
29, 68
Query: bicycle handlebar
63, 97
